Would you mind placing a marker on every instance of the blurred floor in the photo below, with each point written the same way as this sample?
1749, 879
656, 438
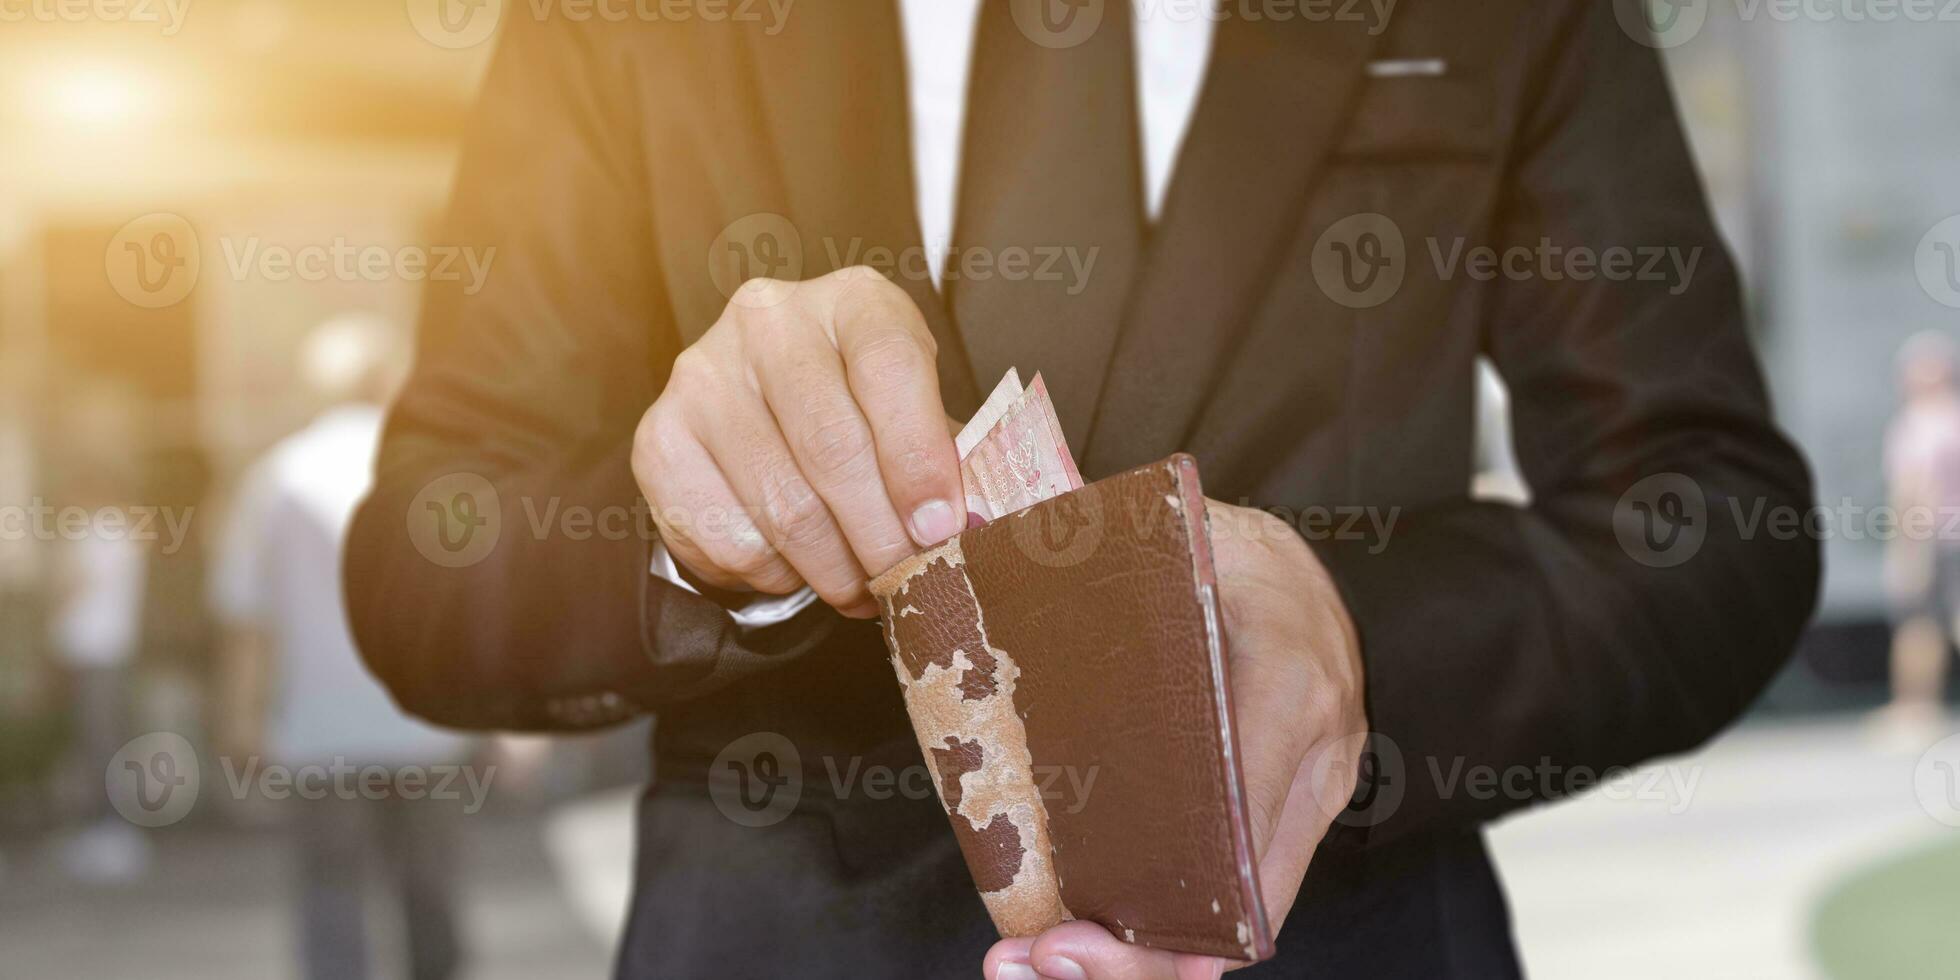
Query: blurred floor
1727, 885
217, 906
1895, 920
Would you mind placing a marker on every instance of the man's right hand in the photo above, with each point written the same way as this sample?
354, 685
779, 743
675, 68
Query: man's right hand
802, 440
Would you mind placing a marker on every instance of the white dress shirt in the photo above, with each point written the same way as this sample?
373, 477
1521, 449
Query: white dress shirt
278, 567
1173, 41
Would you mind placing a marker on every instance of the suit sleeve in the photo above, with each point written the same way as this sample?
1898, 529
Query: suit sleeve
498, 574
1633, 608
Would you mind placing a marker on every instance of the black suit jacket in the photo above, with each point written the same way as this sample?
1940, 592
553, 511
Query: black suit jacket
604, 160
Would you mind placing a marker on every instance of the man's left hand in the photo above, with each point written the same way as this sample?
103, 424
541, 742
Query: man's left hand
1297, 697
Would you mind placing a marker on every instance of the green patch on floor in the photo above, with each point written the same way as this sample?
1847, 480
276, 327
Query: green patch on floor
1898, 920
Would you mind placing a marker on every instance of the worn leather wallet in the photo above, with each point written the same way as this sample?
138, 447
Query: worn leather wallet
1066, 675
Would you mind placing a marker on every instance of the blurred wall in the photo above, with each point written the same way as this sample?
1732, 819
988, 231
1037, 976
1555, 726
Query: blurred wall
1829, 146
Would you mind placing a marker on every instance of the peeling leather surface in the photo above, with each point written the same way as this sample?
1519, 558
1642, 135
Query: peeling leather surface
959, 690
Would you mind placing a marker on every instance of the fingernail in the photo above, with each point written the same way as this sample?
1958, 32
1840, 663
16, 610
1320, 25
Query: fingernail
933, 522
1063, 968
1014, 971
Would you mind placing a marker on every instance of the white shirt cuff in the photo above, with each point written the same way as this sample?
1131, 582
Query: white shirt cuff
763, 610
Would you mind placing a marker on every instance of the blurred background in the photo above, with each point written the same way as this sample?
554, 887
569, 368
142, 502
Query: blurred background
215, 218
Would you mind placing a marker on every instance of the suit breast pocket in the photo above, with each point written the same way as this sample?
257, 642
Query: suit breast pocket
1421, 108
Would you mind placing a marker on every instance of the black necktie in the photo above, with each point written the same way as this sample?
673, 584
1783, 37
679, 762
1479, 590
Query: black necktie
1050, 225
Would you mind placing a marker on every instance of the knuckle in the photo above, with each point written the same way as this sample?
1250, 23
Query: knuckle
914, 466
892, 305
1272, 528
777, 579
760, 326
755, 289
882, 555
692, 367
860, 275
879, 292
838, 447
796, 512
843, 593
1266, 807
757, 565
653, 442
875, 304
771, 576
890, 359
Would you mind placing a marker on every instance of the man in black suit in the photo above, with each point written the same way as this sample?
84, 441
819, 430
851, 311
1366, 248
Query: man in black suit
1360, 208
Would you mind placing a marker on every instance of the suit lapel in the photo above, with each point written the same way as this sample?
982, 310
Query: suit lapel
830, 90
1274, 100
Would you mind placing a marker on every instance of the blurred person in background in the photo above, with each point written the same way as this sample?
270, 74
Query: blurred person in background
1922, 470
295, 690
100, 575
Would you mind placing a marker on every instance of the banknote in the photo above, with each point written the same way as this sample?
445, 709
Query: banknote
990, 412
1022, 459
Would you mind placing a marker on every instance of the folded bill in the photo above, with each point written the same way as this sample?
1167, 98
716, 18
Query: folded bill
990, 412
1013, 453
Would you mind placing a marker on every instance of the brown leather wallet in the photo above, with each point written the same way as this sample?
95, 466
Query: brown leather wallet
1066, 675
